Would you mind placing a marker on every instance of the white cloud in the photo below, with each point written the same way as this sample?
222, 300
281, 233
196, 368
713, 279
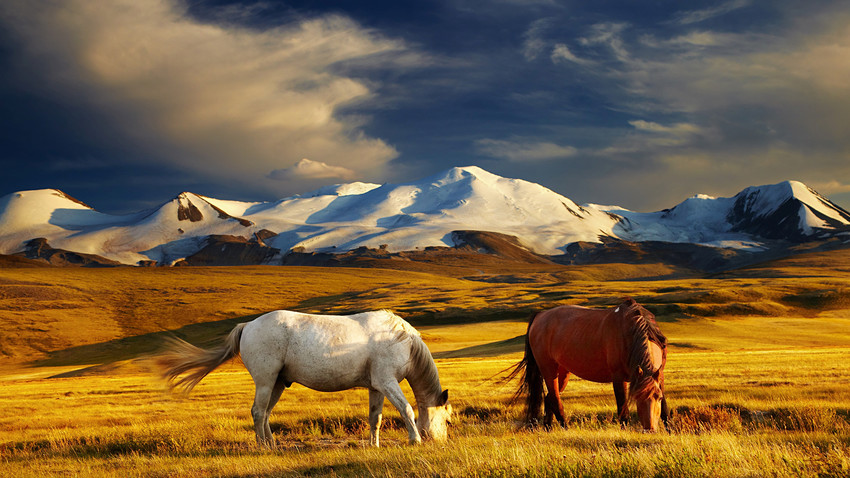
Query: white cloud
679, 129
533, 41
306, 169
610, 35
696, 16
691, 42
219, 99
656, 140
794, 89
523, 150
562, 52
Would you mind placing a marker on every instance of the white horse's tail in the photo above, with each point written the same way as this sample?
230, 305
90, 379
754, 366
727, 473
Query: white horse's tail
181, 357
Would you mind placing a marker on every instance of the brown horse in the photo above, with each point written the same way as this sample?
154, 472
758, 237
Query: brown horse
622, 346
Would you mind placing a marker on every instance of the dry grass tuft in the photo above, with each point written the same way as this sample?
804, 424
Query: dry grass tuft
805, 419
703, 419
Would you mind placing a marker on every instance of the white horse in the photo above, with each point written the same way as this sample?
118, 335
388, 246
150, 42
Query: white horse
375, 350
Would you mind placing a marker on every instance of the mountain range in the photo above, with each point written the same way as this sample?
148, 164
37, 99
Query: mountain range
437, 211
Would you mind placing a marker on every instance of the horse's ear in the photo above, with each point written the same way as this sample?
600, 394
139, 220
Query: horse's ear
444, 398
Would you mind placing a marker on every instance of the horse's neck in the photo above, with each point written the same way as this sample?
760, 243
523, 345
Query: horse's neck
427, 392
422, 375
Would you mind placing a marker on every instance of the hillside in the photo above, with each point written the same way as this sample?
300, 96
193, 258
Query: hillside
83, 317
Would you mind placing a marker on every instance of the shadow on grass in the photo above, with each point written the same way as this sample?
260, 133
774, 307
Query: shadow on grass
502, 347
104, 356
138, 346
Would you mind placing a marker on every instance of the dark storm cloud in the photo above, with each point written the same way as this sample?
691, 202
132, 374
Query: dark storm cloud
627, 102
216, 101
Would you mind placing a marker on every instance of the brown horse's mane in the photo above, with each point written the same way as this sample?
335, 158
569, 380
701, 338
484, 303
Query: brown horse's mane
642, 331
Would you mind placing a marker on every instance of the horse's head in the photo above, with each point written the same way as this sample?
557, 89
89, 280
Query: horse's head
648, 403
433, 420
649, 391
647, 356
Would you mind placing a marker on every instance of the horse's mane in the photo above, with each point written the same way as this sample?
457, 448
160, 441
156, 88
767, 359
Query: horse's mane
422, 372
642, 331
402, 327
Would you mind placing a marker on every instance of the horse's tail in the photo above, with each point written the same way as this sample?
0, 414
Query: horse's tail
531, 384
181, 357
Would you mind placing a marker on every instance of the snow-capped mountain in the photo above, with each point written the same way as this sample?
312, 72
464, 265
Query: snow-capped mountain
409, 216
786, 211
424, 213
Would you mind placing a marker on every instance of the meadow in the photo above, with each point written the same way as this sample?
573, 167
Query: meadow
757, 372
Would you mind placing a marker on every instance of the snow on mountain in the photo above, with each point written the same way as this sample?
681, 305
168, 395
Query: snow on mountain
48, 213
350, 189
789, 210
411, 215
163, 234
424, 213
45, 208
168, 233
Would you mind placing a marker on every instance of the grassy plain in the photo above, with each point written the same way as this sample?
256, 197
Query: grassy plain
758, 374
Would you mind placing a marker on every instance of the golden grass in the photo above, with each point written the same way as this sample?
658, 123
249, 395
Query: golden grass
757, 374
735, 414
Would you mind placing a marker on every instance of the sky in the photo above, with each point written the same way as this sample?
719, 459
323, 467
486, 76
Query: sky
124, 104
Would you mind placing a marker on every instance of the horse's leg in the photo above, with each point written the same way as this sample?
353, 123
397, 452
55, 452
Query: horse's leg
393, 392
553, 403
622, 405
269, 387
548, 413
376, 407
277, 390
260, 411
563, 379
552, 400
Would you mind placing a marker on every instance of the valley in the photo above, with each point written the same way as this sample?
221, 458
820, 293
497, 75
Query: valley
756, 374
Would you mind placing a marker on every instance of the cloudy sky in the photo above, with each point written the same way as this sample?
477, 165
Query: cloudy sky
126, 103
